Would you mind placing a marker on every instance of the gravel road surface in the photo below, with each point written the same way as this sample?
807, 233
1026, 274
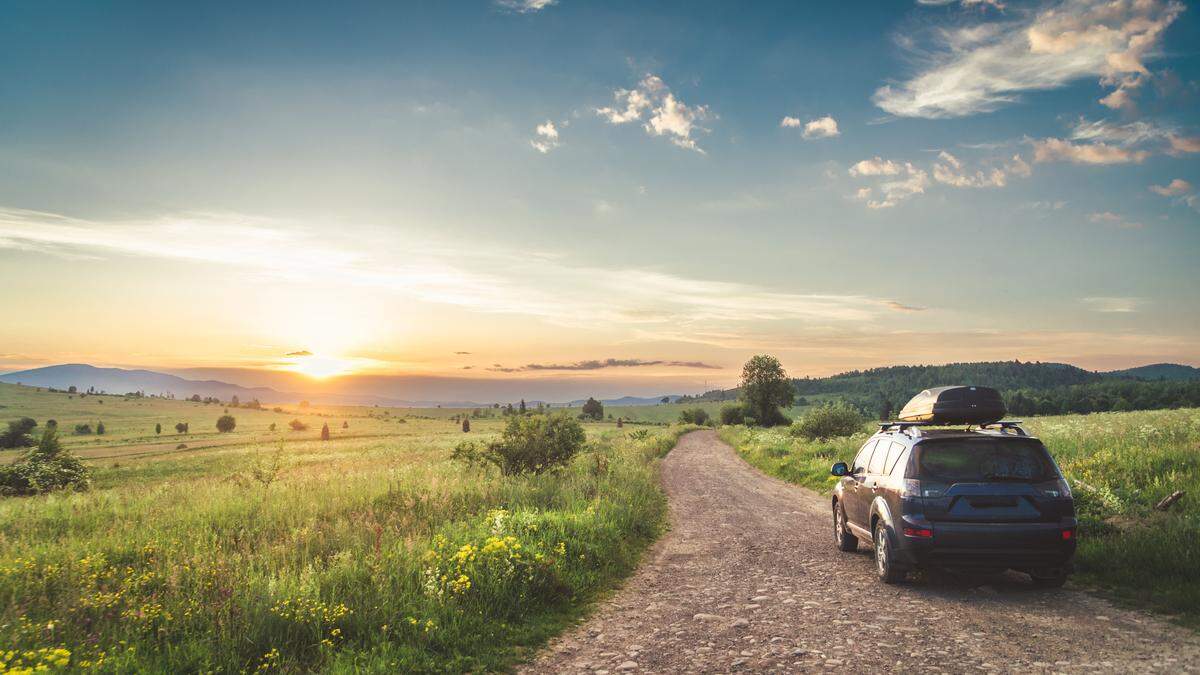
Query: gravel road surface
748, 579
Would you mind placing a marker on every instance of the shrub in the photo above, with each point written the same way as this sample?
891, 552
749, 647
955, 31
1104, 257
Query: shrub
181, 428
83, 429
527, 445
157, 429
99, 428
226, 424
829, 421
345, 424
17, 435
324, 432
297, 425
694, 416
733, 414
466, 425
45, 468
272, 427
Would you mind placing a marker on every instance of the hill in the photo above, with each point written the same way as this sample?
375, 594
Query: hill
1158, 371
120, 381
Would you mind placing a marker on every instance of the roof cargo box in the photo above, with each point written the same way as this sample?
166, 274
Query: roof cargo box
955, 405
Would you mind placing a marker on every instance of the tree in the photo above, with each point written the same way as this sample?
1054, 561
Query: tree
71, 389
17, 435
99, 428
521, 409
593, 409
226, 424
765, 388
324, 432
233, 402
297, 425
181, 428
665, 399
620, 422
466, 426
157, 429
345, 424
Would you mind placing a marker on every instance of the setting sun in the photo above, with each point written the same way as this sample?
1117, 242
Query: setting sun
320, 367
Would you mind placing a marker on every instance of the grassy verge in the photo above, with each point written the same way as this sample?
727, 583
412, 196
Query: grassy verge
362, 555
1119, 466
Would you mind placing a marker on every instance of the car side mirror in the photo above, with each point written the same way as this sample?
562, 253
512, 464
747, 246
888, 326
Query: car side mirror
840, 469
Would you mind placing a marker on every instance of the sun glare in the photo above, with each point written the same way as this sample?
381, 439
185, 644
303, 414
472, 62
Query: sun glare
320, 367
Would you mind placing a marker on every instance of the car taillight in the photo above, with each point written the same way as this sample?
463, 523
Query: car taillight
1068, 534
916, 488
1055, 488
920, 533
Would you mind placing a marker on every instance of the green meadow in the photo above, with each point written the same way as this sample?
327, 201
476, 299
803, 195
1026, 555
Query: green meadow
276, 551
1119, 466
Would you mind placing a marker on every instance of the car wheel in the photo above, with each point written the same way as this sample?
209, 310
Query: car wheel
885, 565
1055, 581
842, 536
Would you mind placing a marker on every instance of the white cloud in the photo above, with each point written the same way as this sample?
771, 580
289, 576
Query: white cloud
1110, 218
913, 182
525, 6
949, 171
1111, 305
965, 3
664, 114
545, 137
790, 122
1175, 188
1059, 150
982, 67
1180, 145
875, 167
822, 127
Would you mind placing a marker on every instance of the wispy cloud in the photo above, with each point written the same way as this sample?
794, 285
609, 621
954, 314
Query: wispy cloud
989, 64
1111, 305
1175, 188
599, 364
1110, 218
1059, 150
525, 6
484, 279
949, 170
900, 307
911, 181
545, 137
663, 113
302, 352
965, 3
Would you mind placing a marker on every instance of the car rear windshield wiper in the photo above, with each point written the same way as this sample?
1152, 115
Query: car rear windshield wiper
1009, 478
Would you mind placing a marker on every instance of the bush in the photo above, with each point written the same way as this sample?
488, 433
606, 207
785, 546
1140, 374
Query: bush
45, 468
829, 421
694, 416
527, 445
99, 428
733, 414
83, 429
226, 424
17, 435
181, 428
324, 432
297, 425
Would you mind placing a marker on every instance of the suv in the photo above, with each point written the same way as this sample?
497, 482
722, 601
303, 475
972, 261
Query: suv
980, 500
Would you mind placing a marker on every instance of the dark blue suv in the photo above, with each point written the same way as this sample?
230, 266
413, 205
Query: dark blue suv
980, 500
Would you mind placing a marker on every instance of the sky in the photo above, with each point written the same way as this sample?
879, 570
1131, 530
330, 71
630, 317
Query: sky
557, 198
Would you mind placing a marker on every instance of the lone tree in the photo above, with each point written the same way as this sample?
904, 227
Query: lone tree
593, 409
522, 407
157, 429
466, 425
324, 432
765, 389
226, 424
17, 435
99, 428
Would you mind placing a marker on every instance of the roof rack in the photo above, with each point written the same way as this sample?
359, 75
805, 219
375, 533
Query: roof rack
1005, 426
902, 427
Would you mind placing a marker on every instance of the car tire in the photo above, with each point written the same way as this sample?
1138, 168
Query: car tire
842, 536
885, 564
1055, 581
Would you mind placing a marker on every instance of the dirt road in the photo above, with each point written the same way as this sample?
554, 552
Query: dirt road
748, 579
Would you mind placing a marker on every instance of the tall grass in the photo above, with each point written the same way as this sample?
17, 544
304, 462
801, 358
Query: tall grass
365, 556
1119, 466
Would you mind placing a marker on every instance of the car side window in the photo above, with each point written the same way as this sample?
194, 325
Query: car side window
864, 455
898, 469
878, 458
893, 455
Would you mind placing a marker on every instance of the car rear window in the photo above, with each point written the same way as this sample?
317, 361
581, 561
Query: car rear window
980, 460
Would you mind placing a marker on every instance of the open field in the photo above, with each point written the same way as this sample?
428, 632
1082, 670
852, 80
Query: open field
1119, 466
263, 551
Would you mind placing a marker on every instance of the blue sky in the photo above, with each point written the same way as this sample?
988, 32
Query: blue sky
385, 184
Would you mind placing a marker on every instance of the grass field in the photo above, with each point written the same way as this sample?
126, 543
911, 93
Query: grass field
1119, 466
258, 551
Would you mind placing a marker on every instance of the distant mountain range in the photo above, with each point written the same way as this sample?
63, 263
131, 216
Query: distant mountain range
122, 381
896, 383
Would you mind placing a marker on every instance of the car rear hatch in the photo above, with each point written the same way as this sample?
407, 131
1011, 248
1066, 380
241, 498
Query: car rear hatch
997, 493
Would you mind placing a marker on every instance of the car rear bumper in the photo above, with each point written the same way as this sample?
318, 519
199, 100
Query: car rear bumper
992, 546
